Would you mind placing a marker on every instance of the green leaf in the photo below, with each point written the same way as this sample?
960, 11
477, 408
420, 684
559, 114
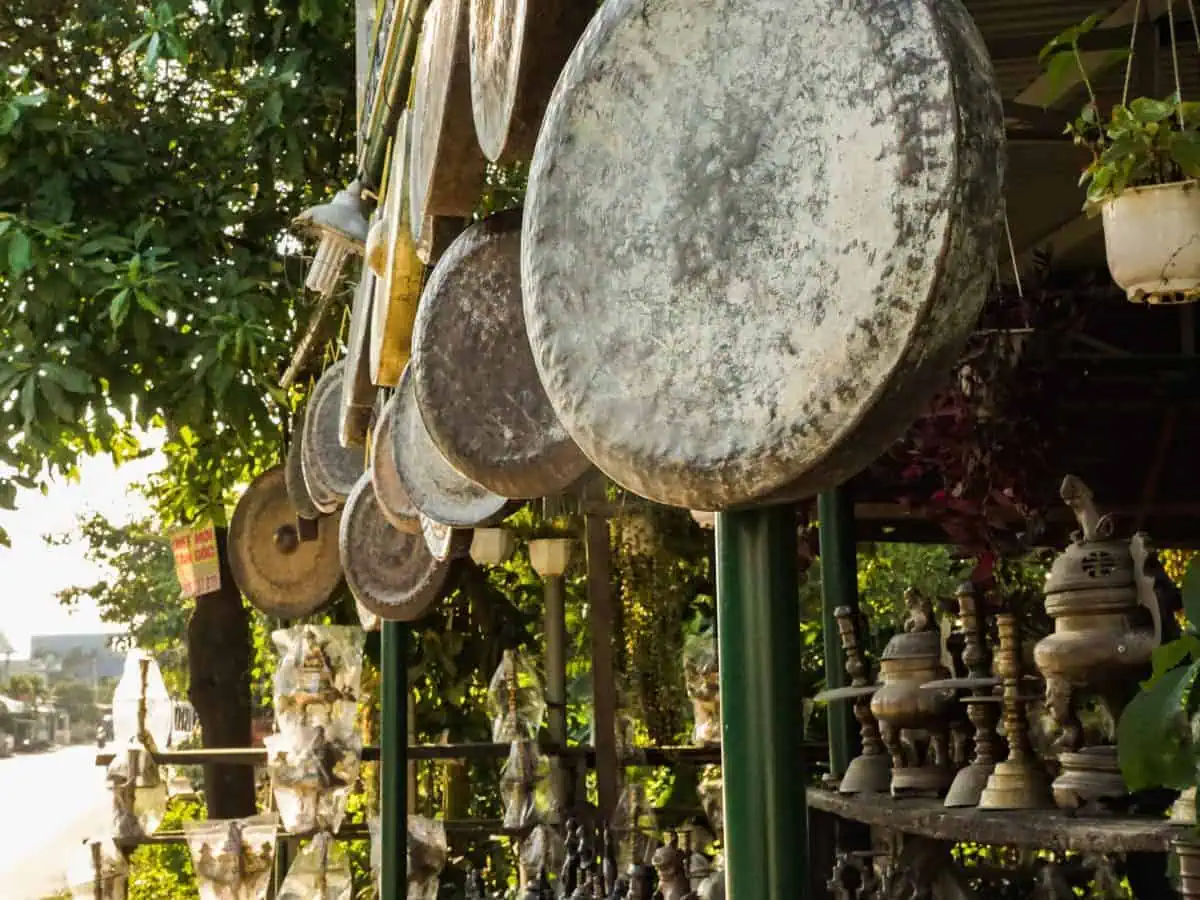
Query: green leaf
151, 59
57, 400
273, 108
29, 399
119, 308
1169, 655
8, 495
120, 174
30, 101
1146, 109
8, 118
1184, 148
148, 303
1153, 738
20, 253
1061, 72
5, 224
71, 379
1191, 594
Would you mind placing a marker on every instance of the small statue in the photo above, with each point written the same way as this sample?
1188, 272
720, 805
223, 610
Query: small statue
669, 863
473, 889
919, 612
568, 877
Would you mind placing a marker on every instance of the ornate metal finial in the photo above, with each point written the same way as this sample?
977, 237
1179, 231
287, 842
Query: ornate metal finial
1078, 496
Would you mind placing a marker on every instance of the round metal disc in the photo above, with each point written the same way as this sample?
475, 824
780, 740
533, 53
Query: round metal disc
445, 542
516, 55
475, 380
323, 499
389, 572
746, 272
358, 391
446, 166
385, 479
276, 571
434, 487
330, 469
294, 478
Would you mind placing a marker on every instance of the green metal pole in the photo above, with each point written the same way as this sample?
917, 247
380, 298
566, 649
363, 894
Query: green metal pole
758, 624
839, 587
393, 804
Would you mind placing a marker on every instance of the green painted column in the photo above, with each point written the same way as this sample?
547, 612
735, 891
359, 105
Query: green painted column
393, 804
839, 587
758, 626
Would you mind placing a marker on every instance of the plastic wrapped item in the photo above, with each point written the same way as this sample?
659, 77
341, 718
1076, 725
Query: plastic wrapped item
543, 849
98, 872
515, 700
712, 799
524, 771
376, 853
321, 871
142, 678
701, 671
319, 676
634, 827
232, 858
312, 775
427, 854
139, 793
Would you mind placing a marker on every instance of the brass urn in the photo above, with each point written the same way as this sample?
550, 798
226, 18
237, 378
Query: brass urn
915, 723
1108, 619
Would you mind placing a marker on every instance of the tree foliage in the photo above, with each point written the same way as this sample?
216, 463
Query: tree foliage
26, 688
151, 156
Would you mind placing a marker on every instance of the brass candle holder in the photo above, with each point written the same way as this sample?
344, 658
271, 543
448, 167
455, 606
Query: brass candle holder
1019, 782
871, 771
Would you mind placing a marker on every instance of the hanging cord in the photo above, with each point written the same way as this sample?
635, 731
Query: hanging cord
1012, 254
1175, 61
1195, 23
1137, 17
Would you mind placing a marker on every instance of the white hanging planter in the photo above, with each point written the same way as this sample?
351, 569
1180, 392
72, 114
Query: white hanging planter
550, 556
1152, 238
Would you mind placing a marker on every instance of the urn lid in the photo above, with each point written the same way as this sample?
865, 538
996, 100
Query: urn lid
1094, 560
920, 638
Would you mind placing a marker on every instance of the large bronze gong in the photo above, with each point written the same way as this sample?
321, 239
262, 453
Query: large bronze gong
475, 380
385, 478
278, 572
297, 490
391, 573
757, 235
433, 485
330, 469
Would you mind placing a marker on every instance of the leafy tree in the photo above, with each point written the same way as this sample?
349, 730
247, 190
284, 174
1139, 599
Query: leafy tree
78, 699
26, 688
152, 153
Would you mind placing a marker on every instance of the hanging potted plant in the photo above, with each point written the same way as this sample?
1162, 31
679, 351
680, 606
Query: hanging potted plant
1142, 179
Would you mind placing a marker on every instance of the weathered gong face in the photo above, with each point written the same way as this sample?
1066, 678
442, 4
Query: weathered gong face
748, 261
330, 469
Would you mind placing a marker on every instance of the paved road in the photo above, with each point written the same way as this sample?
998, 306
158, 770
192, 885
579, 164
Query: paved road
52, 802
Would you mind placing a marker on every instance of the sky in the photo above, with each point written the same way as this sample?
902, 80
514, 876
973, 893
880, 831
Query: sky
34, 572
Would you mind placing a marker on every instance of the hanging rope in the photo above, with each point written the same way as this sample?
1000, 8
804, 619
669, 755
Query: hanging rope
1137, 17
1012, 254
1175, 61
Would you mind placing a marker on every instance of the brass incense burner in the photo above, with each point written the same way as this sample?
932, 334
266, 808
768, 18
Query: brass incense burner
915, 723
1108, 619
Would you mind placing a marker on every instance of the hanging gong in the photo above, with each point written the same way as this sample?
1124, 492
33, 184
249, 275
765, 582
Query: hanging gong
434, 486
446, 167
330, 469
389, 490
297, 492
518, 49
746, 273
475, 380
399, 289
280, 574
389, 572
445, 542
358, 391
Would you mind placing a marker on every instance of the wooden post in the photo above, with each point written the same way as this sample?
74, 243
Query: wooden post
602, 622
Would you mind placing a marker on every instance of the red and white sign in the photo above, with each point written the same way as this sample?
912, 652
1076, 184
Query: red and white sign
196, 561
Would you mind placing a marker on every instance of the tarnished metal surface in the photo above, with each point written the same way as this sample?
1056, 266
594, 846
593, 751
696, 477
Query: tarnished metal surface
445, 164
445, 542
358, 393
516, 56
475, 380
746, 270
391, 573
385, 479
330, 470
276, 571
434, 487
297, 491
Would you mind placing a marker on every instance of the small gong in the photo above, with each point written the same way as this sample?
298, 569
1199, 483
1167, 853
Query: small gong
757, 236
446, 167
445, 542
391, 573
518, 49
297, 491
475, 379
389, 490
434, 486
399, 290
358, 392
278, 572
330, 469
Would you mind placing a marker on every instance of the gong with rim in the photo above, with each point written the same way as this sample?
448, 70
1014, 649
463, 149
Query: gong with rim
745, 273
446, 167
358, 391
517, 52
276, 571
444, 542
391, 573
399, 290
293, 473
434, 486
330, 469
473, 373
385, 479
